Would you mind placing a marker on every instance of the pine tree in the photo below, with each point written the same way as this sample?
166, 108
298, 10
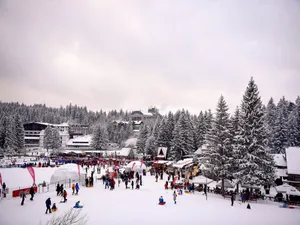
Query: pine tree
294, 125
270, 118
48, 138
256, 165
100, 138
56, 140
200, 130
218, 160
9, 134
183, 141
20, 142
141, 141
163, 140
281, 127
150, 147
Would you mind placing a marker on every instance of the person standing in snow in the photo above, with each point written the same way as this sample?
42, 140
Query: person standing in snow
65, 194
31, 192
73, 189
77, 188
174, 197
57, 189
232, 199
23, 196
132, 184
141, 183
48, 205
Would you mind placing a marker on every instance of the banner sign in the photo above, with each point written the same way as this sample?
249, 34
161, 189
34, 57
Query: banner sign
31, 171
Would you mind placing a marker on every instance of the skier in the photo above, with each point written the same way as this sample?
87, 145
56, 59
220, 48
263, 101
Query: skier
73, 189
174, 197
23, 196
48, 205
232, 199
77, 188
31, 192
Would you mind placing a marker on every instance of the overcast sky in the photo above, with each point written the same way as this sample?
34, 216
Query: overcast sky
134, 54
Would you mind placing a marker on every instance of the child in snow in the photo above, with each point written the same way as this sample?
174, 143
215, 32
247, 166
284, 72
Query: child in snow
77, 205
132, 184
119, 181
23, 196
77, 188
174, 197
54, 208
156, 178
65, 195
161, 201
73, 189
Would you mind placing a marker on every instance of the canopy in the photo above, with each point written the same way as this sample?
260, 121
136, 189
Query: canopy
288, 189
227, 184
201, 180
66, 172
136, 166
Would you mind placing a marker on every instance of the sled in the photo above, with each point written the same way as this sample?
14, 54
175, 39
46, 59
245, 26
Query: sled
54, 210
161, 203
187, 192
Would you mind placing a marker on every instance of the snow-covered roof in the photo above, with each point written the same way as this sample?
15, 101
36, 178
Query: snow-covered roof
147, 114
279, 160
125, 152
293, 160
227, 184
201, 180
163, 162
184, 162
61, 125
284, 188
80, 141
280, 173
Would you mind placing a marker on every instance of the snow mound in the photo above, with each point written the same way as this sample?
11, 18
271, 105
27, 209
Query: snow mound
66, 172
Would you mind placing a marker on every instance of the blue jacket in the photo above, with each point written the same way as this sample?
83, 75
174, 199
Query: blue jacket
161, 200
77, 186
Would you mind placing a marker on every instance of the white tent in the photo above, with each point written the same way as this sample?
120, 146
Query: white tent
227, 184
136, 166
288, 189
66, 172
201, 180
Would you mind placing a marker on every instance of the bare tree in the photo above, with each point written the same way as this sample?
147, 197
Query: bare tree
71, 217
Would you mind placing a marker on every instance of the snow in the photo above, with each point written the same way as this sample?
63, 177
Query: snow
80, 141
133, 207
280, 173
293, 160
131, 142
279, 160
125, 152
198, 151
66, 172
227, 184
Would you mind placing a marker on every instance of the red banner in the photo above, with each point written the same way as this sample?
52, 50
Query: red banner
31, 171
132, 166
0, 179
17, 193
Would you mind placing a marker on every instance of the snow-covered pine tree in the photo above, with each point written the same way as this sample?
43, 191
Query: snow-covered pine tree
20, 142
218, 160
256, 165
150, 147
294, 125
162, 140
56, 140
100, 138
48, 138
142, 138
281, 127
269, 123
183, 141
208, 118
200, 130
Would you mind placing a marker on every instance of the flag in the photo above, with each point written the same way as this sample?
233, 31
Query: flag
31, 171
132, 166
0, 179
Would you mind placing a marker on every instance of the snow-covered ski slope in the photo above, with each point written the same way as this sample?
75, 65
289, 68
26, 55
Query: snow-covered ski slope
136, 207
